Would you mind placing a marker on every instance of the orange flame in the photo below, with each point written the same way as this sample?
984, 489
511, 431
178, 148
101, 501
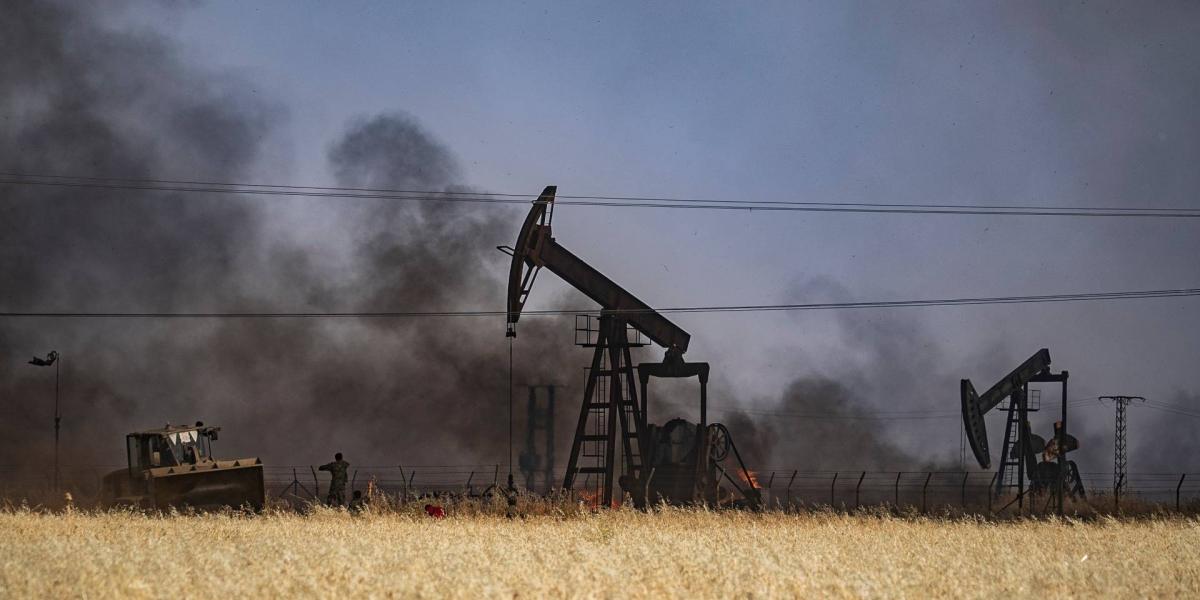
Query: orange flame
749, 477
592, 499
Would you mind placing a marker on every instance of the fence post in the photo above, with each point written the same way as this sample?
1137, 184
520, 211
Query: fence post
857, 487
353, 478
964, 491
896, 499
316, 484
989, 492
789, 487
831, 487
403, 482
1117, 493
1177, 488
924, 494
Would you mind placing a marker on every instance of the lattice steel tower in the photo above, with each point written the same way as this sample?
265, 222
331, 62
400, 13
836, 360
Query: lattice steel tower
1119, 456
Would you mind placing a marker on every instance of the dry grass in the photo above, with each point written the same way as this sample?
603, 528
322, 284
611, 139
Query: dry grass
675, 553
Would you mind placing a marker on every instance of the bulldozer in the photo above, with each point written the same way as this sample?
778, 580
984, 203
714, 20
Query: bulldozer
173, 467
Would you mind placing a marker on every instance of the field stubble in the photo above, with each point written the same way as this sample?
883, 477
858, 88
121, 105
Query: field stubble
669, 553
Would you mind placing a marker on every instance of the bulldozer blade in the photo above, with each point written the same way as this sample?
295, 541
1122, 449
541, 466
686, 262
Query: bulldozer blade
209, 488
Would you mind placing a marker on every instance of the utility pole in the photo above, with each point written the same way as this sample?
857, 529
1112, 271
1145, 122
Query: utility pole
52, 359
1119, 448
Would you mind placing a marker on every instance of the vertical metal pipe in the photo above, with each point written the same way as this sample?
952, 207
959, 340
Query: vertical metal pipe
1022, 396
924, 493
896, 499
990, 495
789, 488
858, 487
645, 408
57, 420
1117, 494
403, 482
964, 491
1177, 488
616, 332
1062, 453
550, 458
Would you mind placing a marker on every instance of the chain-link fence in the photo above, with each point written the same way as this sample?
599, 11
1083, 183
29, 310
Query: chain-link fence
780, 488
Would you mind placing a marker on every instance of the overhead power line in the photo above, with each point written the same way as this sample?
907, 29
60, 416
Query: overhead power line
1170, 293
1170, 409
210, 187
873, 415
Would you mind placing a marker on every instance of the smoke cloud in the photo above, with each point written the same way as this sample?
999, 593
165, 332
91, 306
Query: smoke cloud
79, 98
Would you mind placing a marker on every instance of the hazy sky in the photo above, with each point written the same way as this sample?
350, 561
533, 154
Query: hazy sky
1081, 104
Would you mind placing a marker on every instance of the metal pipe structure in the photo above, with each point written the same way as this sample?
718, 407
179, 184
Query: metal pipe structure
1177, 488
1061, 435
964, 490
53, 358
1120, 403
858, 487
989, 496
897, 490
793, 478
925, 494
1117, 494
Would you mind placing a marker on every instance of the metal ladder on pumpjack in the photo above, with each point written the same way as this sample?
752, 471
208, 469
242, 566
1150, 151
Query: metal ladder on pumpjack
593, 444
1011, 469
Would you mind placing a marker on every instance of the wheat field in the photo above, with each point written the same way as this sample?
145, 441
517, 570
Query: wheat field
670, 553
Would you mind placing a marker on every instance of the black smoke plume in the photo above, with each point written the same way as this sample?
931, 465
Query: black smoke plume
79, 98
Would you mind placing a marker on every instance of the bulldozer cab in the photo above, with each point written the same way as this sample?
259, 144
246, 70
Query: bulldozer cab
169, 447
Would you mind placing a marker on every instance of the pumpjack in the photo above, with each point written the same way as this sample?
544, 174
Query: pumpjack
1054, 473
676, 463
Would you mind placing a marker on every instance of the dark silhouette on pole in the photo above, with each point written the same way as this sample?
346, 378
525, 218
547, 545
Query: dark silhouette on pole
52, 359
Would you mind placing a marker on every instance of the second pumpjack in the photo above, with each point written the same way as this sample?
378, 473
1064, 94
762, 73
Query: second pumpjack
1054, 472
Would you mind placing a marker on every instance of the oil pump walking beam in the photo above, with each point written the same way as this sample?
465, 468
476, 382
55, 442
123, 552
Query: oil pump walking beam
975, 406
536, 248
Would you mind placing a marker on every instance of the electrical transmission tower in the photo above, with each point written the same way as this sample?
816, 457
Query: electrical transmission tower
1119, 449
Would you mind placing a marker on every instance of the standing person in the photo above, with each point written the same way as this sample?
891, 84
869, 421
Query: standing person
337, 482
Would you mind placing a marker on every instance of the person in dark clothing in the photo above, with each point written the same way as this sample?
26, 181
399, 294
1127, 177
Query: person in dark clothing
337, 482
